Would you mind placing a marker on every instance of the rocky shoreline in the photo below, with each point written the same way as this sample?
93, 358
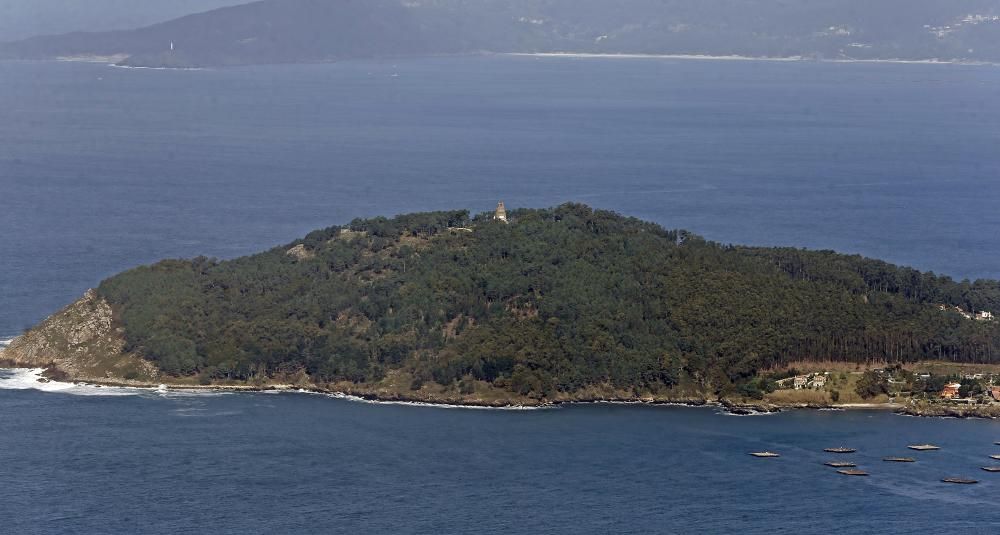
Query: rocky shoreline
37, 356
81, 344
375, 395
733, 407
949, 410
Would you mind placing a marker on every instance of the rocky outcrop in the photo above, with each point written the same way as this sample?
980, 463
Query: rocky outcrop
80, 342
951, 410
300, 252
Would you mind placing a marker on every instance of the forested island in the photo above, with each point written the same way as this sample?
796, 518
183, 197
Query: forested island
551, 305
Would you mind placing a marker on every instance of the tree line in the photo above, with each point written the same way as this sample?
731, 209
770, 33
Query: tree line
558, 300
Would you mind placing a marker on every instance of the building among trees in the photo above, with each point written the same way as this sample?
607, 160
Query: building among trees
501, 213
950, 391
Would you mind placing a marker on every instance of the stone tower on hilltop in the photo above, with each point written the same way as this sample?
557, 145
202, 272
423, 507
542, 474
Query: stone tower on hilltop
501, 213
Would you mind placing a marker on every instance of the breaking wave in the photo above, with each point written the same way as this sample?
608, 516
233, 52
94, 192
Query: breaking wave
32, 379
358, 399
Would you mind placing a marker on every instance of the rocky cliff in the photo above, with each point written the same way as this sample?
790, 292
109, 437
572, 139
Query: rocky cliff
80, 342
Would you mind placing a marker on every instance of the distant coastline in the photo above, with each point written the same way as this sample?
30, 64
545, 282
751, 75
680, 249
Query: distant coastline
117, 61
735, 57
56, 384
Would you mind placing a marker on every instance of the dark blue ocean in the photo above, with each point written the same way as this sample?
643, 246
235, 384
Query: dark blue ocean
80, 462
102, 169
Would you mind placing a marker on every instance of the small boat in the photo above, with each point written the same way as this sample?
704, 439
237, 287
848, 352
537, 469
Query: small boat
899, 460
997, 457
924, 447
959, 481
850, 472
839, 450
992, 468
766, 454
840, 464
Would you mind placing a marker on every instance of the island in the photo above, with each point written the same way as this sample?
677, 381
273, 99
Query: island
532, 307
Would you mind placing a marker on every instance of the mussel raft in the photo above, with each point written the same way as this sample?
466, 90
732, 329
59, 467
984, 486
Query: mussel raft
850, 472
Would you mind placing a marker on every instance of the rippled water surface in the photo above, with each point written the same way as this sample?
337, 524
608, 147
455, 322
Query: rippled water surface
145, 462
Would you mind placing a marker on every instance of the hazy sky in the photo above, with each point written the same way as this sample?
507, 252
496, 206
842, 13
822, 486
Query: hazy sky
25, 18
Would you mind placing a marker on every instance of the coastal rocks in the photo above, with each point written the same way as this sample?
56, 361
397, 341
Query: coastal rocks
938, 409
747, 409
80, 342
388, 396
300, 252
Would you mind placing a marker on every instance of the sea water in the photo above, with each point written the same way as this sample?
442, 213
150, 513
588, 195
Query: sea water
103, 169
83, 461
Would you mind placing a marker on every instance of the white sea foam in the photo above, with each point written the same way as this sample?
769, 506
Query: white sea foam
116, 66
724, 412
5, 343
359, 399
185, 393
32, 379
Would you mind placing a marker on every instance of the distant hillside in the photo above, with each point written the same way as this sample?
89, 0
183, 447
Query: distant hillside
281, 31
20, 19
565, 303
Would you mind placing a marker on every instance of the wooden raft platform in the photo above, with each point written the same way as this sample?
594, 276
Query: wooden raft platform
840, 464
992, 468
764, 454
839, 450
899, 460
959, 481
850, 472
924, 447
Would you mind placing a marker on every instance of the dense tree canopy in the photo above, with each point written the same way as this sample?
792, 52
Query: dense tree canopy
555, 301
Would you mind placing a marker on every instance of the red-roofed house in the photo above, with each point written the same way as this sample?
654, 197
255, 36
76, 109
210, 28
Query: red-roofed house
950, 391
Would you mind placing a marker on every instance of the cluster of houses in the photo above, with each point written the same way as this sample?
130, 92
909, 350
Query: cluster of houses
818, 381
951, 390
800, 382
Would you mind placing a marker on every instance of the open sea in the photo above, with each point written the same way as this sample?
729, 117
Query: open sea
102, 169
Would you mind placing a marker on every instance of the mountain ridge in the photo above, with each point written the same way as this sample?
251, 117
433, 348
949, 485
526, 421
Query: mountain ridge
293, 31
